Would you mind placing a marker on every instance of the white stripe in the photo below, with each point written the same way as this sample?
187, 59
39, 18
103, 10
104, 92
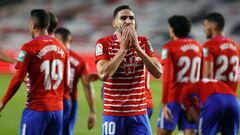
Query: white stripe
162, 120
24, 129
136, 88
200, 126
136, 82
124, 95
133, 99
133, 77
112, 105
141, 70
141, 110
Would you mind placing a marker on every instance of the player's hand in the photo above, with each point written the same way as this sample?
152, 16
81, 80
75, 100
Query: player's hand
134, 37
1, 106
91, 120
167, 113
125, 38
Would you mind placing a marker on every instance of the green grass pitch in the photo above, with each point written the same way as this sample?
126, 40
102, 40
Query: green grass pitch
11, 115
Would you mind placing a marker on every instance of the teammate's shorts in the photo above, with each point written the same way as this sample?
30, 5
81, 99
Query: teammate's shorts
220, 111
179, 118
69, 116
126, 125
149, 112
41, 123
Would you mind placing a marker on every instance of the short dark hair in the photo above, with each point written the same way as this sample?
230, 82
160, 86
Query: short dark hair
53, 23
65, 33
181, 25
119, 8
216, 18
41, 17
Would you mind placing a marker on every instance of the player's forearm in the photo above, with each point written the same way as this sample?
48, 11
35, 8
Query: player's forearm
152, 64
5, 58
89, 93
107, 69
208, 70
12, 88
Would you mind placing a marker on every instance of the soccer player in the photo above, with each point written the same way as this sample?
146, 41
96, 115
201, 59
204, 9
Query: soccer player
221, 54
121, 59
46, 61
212, 104
181, 60
79, 69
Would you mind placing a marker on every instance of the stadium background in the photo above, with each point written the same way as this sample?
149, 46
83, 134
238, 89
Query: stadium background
89, 20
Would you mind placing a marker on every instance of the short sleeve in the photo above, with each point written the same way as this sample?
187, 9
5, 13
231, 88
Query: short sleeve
148, 48
24, 58
101, 50
207, 54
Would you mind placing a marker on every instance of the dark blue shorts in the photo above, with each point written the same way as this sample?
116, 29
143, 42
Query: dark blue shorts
179, 118
149, 112
69, 116
41, 123
126, 125
220, 111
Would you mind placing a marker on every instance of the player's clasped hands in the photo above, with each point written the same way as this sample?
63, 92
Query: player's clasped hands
129, 37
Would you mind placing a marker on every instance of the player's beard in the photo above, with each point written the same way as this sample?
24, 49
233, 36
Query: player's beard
208, 35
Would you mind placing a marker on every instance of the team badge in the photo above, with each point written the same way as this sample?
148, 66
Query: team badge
21, 55
164, 54
205, 52
99, 49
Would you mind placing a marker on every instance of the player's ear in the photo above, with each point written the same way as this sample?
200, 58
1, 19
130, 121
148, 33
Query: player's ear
113, 23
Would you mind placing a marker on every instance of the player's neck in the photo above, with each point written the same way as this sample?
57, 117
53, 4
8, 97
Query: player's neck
118, 35
217, 33
39, 33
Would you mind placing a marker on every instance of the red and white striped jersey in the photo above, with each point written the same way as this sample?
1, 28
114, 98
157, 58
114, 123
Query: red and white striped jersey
124, 92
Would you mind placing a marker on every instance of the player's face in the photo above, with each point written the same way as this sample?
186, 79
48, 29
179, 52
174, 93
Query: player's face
170, 32
123, 18
207, 27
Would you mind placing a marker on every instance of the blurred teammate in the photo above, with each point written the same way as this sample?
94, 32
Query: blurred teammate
79, 69
46, 61
148, 95
181, 60
212, 104
221, 54
121, 59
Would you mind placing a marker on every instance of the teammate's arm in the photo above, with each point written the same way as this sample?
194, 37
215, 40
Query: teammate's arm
208, 70
13, 86
89, 94
5, 58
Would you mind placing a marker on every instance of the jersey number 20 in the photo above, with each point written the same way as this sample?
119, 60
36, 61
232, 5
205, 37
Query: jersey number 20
187, 63
51, 73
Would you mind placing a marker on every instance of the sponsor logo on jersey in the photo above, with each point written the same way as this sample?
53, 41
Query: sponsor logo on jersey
205, 52
21, 55
99, 49
164, 54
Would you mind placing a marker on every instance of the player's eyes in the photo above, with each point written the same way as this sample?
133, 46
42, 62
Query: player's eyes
125, 17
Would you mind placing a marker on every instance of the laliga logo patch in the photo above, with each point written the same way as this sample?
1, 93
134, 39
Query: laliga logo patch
205, 52
99, 49
21, 55
164, 53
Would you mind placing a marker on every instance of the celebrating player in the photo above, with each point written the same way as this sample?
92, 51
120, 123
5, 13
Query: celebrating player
121, 59
181, 60
221, 54
212, 104
79, 69
45, 59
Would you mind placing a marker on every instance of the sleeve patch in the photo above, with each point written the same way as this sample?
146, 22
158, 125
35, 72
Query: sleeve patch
99, 49
164, 54
205, 52
21, 56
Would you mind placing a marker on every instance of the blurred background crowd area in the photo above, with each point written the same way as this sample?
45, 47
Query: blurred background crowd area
89, 20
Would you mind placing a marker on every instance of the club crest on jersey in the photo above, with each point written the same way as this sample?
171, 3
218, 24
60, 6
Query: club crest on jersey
130, 65
99, 49
205, 52
21, 55
164, 54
